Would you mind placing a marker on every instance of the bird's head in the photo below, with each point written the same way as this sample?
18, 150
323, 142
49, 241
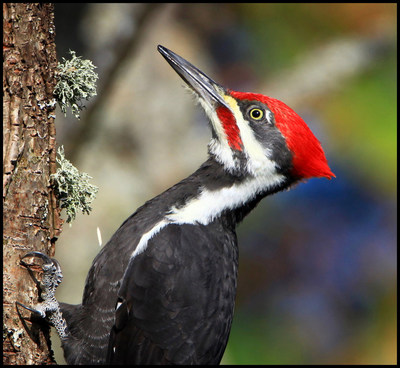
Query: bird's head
254, 135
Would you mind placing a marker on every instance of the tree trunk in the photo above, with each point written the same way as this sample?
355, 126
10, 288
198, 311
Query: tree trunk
30, 212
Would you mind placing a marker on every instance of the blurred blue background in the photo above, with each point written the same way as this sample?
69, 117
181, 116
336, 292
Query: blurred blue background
317, 266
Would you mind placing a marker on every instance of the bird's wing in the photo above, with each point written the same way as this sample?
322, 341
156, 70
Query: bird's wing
176, 299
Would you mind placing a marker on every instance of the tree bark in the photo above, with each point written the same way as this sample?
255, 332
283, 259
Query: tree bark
31, 217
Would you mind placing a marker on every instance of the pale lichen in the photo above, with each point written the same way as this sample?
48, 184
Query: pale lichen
76, 81
72, 187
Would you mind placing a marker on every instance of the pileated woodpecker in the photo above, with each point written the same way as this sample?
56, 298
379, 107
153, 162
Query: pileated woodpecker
162, 290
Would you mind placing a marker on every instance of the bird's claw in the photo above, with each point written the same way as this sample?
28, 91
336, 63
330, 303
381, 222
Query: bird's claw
49, 308
52, 276
38, 312
47, 261
34, 253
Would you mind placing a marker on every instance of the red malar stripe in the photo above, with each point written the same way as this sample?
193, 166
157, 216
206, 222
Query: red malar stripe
230, 127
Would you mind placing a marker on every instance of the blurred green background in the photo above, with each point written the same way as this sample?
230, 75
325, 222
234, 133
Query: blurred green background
317, 265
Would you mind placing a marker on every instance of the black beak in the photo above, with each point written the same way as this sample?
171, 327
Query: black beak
204, 86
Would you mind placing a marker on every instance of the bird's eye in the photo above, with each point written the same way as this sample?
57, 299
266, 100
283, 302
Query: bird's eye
256, 114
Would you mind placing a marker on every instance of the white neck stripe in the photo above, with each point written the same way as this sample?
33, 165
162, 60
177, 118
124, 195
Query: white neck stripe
147, 236
210, 204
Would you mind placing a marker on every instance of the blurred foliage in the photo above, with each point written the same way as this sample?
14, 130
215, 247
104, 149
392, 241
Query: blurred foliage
282, 31
317, 268
364, 116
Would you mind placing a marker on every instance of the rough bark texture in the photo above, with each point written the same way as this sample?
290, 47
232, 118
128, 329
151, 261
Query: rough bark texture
31, 218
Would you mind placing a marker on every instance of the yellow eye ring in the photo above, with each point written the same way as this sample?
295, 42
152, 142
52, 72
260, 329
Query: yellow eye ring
256, 114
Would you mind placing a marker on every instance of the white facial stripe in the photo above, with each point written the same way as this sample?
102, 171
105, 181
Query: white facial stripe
258, 156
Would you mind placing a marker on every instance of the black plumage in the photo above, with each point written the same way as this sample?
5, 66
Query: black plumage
183, 284
179, 297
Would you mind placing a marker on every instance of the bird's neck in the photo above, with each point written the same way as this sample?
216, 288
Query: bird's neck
211, 193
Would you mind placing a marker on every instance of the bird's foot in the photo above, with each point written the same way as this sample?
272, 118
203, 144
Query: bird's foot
49, 307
